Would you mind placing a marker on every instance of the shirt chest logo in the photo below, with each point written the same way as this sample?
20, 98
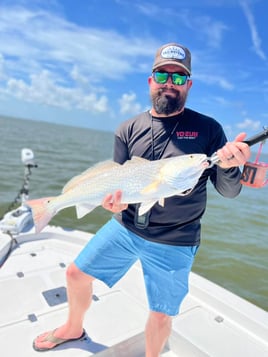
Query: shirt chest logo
187, 135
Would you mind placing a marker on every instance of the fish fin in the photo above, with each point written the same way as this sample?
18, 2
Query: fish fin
91, 172
162, 202
136, 160
83, 210
145, 207
40, 212
152, 187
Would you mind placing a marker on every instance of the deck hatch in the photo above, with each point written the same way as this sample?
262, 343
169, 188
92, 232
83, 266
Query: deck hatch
55, 296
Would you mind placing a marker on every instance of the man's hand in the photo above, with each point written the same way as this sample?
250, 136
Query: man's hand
234, 153
112, 202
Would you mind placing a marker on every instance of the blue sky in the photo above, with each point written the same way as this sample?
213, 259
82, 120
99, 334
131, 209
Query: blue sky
86, 63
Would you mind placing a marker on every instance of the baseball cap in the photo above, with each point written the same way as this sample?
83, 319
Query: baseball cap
173, 53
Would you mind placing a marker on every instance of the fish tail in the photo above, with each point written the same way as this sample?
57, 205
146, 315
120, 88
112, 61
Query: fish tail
40, 212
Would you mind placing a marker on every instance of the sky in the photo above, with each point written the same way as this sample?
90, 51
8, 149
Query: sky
86, 63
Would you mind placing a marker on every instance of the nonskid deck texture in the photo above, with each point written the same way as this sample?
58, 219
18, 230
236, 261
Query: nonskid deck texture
213, 322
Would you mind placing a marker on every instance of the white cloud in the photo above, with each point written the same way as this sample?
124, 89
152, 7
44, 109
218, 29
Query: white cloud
206, 27
63, 64
253, 29
43, 89
78, 77
26, 36
211, 29
214, 80
92, 103
128, 104
249, 124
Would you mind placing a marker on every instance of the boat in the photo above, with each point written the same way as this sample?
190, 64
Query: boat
213, 322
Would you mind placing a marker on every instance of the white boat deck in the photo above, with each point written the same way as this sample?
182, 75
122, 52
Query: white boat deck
213, 322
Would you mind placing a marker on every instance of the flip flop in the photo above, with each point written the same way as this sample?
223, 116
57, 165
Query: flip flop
57, 341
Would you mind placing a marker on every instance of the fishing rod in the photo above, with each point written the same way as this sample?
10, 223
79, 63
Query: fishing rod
260, 137
257, 138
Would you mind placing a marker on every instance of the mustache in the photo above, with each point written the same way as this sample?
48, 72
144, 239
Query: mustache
163, 90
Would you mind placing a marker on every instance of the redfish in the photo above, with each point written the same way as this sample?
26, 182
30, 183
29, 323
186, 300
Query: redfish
140, 180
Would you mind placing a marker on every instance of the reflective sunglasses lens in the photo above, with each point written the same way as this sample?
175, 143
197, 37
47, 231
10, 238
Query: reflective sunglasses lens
160, 77
179, 79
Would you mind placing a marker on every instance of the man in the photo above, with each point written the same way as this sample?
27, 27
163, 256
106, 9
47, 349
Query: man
166, 239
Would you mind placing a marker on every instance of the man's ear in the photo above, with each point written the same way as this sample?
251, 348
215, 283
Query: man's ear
189, 83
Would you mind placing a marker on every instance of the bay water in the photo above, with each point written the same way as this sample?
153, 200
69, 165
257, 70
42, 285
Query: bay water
234, 248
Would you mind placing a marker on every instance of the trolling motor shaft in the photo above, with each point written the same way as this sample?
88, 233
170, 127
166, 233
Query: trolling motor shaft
17, 220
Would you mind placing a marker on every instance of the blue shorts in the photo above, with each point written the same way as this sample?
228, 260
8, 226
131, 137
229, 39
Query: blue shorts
114, 249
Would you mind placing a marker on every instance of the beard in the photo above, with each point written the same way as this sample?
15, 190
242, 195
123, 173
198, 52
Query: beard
166, 104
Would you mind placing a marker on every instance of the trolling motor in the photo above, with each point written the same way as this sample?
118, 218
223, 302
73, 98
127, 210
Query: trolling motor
20, 220
255, 174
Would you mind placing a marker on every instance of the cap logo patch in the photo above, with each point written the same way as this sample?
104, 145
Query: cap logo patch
174, 52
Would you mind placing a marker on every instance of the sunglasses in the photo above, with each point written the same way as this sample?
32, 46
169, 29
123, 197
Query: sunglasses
178, 79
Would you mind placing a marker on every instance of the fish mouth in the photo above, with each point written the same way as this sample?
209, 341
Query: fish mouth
206, 165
